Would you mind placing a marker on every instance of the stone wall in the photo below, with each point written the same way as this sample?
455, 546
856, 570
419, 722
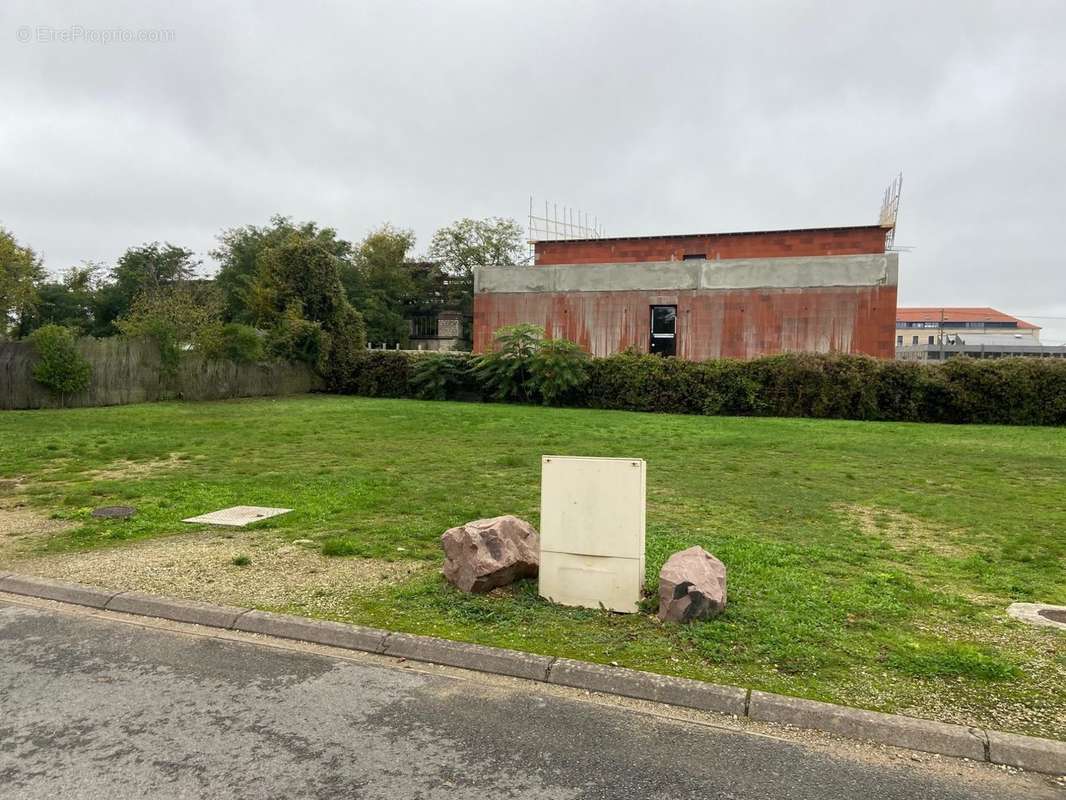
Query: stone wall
127, 371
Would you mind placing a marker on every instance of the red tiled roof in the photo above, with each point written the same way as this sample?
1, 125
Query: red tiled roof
958, 315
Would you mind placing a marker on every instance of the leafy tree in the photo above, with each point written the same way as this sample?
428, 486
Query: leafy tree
21, 271
301, 279
469, 243
238, 253
383, 285
59, 366
172, 316
140, 269
69, 301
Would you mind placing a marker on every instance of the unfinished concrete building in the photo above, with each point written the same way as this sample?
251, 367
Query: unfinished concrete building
701, 296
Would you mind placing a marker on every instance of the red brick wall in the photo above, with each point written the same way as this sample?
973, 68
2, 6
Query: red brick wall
711, 324
769, 244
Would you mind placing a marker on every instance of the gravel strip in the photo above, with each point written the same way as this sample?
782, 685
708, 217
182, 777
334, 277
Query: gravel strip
199, 566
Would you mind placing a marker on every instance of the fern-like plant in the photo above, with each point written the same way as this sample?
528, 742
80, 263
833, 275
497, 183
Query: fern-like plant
557, 367
505, 371
439, 376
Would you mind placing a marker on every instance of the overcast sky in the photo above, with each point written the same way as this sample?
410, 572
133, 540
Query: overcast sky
656, 117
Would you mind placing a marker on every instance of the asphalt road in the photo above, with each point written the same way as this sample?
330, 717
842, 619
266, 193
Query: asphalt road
98, 707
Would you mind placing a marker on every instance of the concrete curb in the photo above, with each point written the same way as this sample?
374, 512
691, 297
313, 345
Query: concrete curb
854, 723
334, 634
191, 611
468, 656
1012, 750
1027, 752
60, 591
649, 686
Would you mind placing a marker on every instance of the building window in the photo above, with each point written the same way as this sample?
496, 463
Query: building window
899, 341
694, 257
932, 340
914, 340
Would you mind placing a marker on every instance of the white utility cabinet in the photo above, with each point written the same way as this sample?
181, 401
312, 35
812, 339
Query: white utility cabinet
592, 531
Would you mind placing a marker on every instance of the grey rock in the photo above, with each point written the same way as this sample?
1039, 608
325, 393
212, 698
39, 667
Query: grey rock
486, 553
691, 586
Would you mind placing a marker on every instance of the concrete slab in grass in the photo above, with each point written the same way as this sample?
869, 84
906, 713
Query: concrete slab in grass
238, 516
60, 591
649, 686
1027, 752
334, 634
891, 729
176, 610
468, 656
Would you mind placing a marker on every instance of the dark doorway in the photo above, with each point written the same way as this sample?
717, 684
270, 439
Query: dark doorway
663, 330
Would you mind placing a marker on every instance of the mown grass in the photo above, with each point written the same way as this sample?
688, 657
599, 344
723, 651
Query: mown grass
869, 563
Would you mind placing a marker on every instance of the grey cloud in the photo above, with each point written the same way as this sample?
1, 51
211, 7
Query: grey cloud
657, 117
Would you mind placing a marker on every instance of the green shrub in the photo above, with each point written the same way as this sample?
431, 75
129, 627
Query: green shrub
1007, 391
730, 388
441, 376
59, 366
232, 341
379, 373
505, 372
557, 370
172, 316
243, 343
294, 338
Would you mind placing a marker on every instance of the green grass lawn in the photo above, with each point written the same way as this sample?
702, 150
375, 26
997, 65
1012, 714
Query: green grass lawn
869, 563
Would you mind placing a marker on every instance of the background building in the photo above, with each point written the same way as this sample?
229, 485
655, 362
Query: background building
924, 334
972, 325
701, 296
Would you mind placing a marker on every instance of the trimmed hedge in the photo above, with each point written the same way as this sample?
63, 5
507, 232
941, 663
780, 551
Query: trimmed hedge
1015, 391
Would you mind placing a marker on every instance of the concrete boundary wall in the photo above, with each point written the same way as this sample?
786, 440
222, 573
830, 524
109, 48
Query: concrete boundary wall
733, 274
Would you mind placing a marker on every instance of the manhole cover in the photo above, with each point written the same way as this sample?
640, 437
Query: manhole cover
1043, 614
114, 512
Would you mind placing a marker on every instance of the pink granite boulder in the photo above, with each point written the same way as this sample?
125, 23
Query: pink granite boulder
486, 553
691, 586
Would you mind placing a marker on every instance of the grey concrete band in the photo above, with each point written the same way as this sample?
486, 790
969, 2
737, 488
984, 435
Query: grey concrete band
1025, 752
334, 634
60, 591
190, 611
649, 686
909, 732
468, 656
741, 273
